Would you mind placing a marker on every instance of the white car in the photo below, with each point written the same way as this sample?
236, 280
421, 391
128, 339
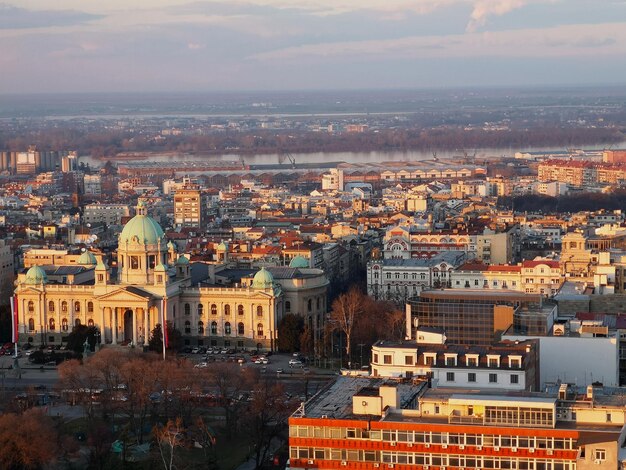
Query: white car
202, 365
294, 362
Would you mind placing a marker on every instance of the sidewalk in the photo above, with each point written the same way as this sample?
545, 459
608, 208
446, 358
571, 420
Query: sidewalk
250, 464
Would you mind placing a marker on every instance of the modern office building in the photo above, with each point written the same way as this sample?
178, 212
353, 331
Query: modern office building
188, 205
360, 423
475, 316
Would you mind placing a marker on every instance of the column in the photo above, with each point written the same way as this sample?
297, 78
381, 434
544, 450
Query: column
134, 327
103, 334
114, 327
146, 326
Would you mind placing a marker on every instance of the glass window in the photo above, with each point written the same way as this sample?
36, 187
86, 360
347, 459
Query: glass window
213, 309
51, 324
240, 310
214, 328
450, 376
187, 326
226, 309
227, 328
187, 309
200, 310
493, 378
259, 311
471, 377
514, 378
240, 329
200, 327
259, 329
51, 306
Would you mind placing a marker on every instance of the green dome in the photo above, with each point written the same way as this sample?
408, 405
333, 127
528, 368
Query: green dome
142, 229
36, 275
87, 258
299, 262
170, 245
222, 247
182, 260
263, 280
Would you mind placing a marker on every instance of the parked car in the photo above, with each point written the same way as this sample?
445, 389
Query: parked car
295, 362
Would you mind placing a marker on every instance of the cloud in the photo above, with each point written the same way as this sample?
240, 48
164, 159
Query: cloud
12, 17
484, 9
561, 41
194, 46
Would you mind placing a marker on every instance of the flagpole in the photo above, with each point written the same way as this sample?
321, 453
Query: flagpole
163, 325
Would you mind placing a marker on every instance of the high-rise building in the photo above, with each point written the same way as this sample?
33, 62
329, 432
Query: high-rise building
188, 205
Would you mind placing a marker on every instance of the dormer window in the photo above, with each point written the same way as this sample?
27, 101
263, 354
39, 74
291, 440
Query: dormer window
471, 360
515, 362
493, 360
430, 359
451, 360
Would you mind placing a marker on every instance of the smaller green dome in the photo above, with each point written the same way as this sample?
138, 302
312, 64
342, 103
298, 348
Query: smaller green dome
87, 258
36, 275
101, 265
182, 260
222, 247
263, 280
299, 262
170, 245
160, 268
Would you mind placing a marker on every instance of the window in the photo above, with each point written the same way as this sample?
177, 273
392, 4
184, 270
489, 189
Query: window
449, 376
200, 328
493, 378
226, 309
309, 305
77, 322
471, 361
240, 310
429, 360
514, 378
259, 329
77, 307
213, 309
31, 324
187, 327
240, 329
64, 307
51, 306
493, 362
287, 306
227, 328
451, 361
31, 306
90, 322
134, 262
600, 455
214, 328
64, 326
51, 324
408, 360
387, 359
375, 358
259, 311
200, 310
89, 307
608, 417
187, 309
471, 377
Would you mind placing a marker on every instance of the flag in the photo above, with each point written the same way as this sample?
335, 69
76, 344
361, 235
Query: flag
14, 320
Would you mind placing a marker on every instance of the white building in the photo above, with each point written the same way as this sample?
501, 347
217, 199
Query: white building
333, 180
92, 185
506, 365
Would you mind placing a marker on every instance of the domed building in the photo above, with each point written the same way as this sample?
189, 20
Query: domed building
149, 282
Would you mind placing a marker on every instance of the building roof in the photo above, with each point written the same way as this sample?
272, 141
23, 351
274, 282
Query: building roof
142, 229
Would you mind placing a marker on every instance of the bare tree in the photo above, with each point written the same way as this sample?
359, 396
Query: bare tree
346, 312
168, 438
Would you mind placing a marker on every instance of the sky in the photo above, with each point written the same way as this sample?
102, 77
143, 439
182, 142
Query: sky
61, 46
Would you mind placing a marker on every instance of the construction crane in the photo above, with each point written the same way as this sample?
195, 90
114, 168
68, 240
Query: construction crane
281, 158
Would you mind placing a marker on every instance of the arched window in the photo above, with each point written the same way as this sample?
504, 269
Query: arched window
77, 322
31, 306
64, 307
259, 329
309, 305
31, 324
90, 322
187, 309
259, 311
214, 328
51, 306
200, 310
187, 327
240, 329
77, 307
226, 309
52, 324
287, 306
64, 326
240, 310
227, 330
200, 328
213, 309
89, 307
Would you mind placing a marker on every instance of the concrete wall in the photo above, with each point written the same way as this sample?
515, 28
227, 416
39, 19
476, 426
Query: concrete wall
576, 360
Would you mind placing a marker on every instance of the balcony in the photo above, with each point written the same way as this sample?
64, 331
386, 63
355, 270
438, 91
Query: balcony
457, 418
